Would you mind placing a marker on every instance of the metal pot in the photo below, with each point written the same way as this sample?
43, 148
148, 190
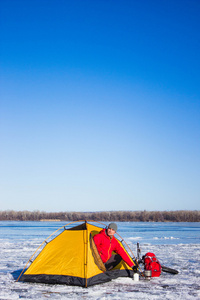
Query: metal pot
147, 274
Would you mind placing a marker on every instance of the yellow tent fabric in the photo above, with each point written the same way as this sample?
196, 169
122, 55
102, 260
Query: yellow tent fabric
72, 258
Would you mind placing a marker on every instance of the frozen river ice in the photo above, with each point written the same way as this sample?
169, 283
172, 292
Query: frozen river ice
177, 245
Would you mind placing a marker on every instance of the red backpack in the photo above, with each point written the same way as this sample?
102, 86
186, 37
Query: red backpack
151, 263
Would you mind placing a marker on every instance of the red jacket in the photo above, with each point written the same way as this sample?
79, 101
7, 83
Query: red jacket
105, 246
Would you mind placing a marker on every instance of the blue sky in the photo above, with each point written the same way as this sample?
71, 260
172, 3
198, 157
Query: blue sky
100, 105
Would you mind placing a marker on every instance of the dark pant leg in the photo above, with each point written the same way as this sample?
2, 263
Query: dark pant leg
113, 262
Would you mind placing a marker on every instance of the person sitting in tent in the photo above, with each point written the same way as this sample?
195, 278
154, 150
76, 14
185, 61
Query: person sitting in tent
106, 243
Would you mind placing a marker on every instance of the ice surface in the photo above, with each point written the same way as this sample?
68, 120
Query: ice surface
185, 257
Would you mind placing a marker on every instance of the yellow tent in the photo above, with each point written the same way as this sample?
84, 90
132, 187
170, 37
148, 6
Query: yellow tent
71, 258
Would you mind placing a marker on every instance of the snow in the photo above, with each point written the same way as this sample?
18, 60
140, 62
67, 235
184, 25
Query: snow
185, 258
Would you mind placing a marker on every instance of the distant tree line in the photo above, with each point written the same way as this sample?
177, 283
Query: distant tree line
120, 216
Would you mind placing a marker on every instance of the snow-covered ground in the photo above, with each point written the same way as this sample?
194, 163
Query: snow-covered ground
15, 250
